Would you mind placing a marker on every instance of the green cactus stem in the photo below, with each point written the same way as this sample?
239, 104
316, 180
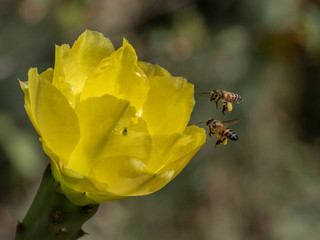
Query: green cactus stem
52, 216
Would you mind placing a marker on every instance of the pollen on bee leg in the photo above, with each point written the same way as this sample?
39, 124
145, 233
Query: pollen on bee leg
224, 142
229, 107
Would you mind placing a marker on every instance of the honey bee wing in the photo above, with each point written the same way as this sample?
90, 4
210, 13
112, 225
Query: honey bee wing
204, 94
230, 122
200, 122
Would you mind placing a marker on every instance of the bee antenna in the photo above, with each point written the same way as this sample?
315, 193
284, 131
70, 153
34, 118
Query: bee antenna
204, 94
200, 122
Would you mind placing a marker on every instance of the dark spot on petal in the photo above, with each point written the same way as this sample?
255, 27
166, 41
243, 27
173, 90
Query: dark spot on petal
125, 132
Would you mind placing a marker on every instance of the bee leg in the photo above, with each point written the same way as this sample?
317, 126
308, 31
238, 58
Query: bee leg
216, 104
222, 141
218, 142
210, 133
224, 108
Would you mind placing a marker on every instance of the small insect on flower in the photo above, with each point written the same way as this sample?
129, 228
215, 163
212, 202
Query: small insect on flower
221, 130
223, 97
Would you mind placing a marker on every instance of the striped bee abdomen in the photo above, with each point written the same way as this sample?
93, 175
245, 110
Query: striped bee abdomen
229, 134
236, 97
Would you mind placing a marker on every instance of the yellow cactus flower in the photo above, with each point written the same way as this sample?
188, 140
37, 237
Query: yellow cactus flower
113, 126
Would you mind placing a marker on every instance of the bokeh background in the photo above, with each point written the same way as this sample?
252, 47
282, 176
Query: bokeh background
265, 186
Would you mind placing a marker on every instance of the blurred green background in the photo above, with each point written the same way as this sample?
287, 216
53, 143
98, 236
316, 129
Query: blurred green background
265, 186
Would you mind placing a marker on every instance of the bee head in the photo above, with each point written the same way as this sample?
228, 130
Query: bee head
215, 95
209, 121
212, 123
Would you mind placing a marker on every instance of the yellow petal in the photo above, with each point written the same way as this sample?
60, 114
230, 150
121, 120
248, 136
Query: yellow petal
103, 197
170, 154
78, 188
129, 176
73, 66
109, 128
123, 174
175, 150
25, 88
56, 120
48, 74
169, 105
120, 76
154, 183
63, 56
184, 150
153, 70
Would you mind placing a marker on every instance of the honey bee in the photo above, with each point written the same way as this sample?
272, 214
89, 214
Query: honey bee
223, 97
221, 130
